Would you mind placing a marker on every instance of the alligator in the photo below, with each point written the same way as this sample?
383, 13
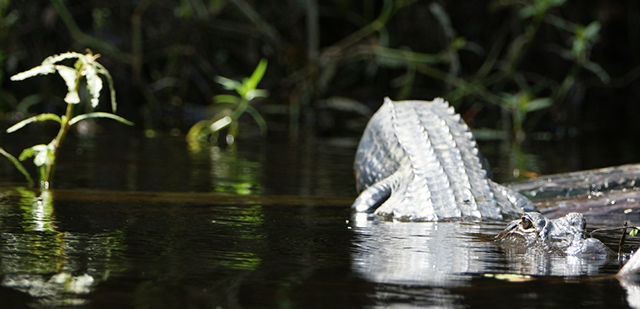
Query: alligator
418, 161
564, 236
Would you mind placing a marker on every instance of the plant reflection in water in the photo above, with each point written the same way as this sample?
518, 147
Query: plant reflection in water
233, 174
50, 265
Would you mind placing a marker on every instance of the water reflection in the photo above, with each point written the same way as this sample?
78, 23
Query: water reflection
539, 263
439, 254
511, 161
38, 210
235, 175
430, 259
229, 172
55, 268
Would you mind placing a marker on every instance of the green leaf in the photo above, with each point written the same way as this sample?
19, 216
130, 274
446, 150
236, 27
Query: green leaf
226, 98
539, 7
228, 84
527, 11
256, 93
598, 70
99, 115
257, 75
591, 30
18, 165
458, 43
39, 151
633, 232
578, 47
78, 64
538, 104
258, 118
41, 117
27, 153
112, 90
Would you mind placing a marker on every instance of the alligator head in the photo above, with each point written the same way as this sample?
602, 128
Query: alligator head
565, 235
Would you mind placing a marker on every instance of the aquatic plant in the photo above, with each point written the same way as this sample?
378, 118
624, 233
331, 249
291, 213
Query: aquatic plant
85, 68
207, 130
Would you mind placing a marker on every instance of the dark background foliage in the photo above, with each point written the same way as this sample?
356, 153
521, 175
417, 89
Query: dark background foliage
164, 56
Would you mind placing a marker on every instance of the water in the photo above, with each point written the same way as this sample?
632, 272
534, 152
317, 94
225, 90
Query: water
136, 222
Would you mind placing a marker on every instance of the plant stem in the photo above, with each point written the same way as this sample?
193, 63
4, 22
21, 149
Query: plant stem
62, 133
242, 106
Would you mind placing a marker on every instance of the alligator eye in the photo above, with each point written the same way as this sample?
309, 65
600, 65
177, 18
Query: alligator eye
526, 223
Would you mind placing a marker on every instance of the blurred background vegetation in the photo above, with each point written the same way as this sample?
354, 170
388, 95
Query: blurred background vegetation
517, 70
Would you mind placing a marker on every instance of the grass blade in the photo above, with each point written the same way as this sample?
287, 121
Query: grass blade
18, 165
99, 115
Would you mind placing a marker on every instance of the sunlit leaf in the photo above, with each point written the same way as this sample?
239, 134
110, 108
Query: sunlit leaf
63, 56
28, 152
94, 84
69, 75
46, 67
41, 117
112, 91
39, 70
225, 121
228, 84
633, 232
257, 75
99, 115
39, 151
41, 158
256, 93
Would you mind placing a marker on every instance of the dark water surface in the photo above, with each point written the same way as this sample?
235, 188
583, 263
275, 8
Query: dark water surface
144, 223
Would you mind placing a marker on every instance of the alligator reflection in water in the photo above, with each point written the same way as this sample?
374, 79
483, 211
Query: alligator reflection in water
447, 254
49, 265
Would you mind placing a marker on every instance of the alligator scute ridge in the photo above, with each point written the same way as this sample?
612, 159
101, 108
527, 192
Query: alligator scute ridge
418, 161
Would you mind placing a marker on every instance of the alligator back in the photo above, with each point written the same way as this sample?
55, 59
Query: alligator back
418, 161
